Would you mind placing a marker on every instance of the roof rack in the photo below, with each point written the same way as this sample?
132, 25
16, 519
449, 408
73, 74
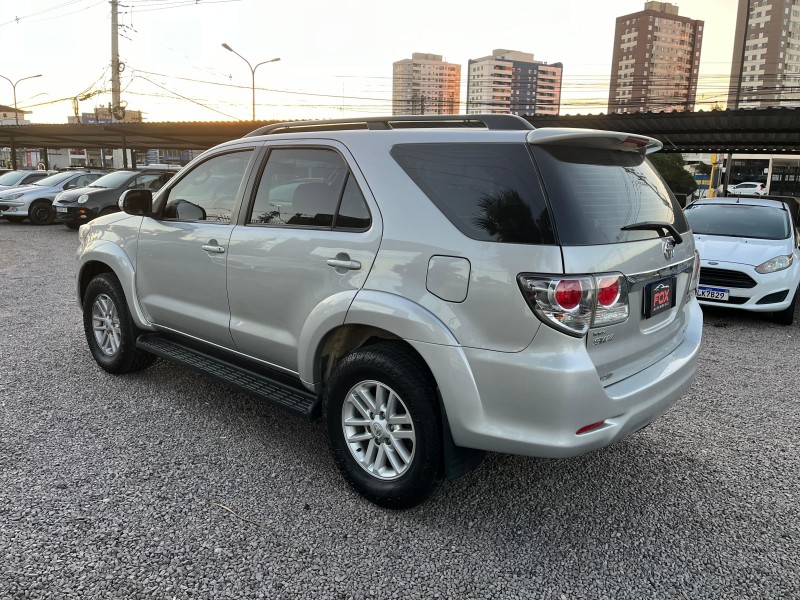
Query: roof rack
494, 122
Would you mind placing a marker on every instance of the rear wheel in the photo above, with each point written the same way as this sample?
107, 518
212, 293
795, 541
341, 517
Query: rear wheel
383, 425
786, 316
109, 328
41, 212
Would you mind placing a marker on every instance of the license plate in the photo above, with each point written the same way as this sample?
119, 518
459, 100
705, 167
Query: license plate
659, 297
61, 209
713, 293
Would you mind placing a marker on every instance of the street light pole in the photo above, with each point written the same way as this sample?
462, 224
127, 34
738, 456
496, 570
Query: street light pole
16, 114
252, 72
14, 88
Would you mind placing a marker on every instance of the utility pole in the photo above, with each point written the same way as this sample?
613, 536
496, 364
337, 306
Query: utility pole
115, 99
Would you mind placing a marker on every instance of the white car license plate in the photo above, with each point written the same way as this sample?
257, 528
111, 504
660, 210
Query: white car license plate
61, 209
713, 293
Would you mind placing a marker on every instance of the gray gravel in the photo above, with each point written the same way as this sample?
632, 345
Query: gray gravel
164, 484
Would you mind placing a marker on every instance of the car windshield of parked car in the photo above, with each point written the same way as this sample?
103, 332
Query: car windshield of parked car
11, 178
54, 180
113, 180
739, 220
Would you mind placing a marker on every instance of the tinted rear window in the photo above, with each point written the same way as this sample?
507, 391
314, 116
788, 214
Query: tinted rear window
739, 220
594, 193
490, 192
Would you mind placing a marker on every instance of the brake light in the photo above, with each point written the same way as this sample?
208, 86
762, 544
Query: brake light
607, 291
575, 304
568, 293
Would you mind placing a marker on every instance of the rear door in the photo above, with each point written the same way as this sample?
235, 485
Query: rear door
310, 232
596, 189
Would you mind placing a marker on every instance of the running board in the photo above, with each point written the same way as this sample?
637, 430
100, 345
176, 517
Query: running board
294, 399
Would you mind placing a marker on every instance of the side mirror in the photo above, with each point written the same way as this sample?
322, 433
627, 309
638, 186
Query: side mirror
136, 202
70, 186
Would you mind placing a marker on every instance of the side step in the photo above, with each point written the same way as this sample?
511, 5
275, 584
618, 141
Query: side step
294, 399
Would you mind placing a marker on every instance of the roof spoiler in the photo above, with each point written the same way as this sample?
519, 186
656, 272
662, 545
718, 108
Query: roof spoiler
594, 138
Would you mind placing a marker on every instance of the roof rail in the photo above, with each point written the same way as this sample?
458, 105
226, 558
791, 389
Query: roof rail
495, 122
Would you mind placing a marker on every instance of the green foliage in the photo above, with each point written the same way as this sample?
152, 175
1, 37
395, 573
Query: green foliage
679, 180
703, 168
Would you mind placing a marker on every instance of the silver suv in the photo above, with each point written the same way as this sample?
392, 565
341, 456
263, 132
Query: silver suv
433, 288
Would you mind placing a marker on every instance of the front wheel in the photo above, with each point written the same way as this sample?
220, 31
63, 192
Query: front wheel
383, 423
109, 328
41, 213
786, 316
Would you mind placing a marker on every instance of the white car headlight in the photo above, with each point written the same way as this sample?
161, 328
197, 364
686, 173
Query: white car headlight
83, 198
779, 263
14, 196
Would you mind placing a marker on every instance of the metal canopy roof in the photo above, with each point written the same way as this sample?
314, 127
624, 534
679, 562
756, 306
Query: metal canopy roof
135, 136
743, 131
750, 131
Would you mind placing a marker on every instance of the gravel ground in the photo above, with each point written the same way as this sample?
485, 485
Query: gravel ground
164, 484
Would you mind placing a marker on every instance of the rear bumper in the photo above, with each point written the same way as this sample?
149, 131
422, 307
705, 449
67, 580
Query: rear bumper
533, 402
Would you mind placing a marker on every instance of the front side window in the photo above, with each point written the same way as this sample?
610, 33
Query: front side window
308, 187
208, 192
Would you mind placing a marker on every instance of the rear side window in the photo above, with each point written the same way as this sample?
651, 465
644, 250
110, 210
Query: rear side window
490, 192
594, 193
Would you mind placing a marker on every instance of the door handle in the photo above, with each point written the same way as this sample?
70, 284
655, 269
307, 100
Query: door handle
213, 248
337, 263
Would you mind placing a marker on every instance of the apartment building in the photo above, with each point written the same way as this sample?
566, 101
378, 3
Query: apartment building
425, 85
655, 61
765, 66
509, 81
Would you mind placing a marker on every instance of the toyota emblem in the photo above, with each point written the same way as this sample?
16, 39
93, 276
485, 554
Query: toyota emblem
669, 249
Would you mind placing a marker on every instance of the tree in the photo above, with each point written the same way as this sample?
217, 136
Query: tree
679, 180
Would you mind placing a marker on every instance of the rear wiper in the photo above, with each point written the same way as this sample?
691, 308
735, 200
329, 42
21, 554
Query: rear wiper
660, 226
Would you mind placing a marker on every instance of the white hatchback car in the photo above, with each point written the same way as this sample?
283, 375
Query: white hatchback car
748, 255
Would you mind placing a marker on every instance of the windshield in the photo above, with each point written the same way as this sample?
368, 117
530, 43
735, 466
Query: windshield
113, 180
739, 220
11, 178
54, 180
594, 193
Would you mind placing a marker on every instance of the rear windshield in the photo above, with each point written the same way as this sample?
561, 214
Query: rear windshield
739, 220
490, 192
593, 193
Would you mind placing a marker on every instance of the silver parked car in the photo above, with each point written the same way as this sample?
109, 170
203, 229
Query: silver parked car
35, 201
433, 288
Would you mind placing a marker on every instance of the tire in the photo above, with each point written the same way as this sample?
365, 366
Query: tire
73, 226
104, 305
15, 219
399, 462
41, 212
786, 316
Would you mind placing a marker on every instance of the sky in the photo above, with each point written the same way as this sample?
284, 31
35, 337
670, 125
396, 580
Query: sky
335, 56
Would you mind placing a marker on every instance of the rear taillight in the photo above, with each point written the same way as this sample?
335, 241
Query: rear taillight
695, 274
574, 304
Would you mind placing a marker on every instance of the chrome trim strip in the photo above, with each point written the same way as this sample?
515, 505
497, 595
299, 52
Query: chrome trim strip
242, 354
641, 278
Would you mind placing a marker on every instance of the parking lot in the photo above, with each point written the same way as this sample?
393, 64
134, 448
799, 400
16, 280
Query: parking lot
164, 484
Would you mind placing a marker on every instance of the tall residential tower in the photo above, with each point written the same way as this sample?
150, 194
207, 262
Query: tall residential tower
425, 85
513, 82
765, 67
655, 62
